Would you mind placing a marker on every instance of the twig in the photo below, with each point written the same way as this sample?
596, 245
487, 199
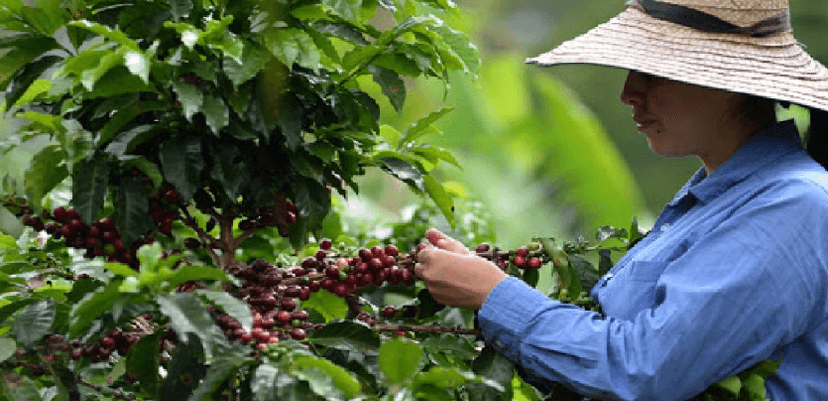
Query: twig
99, 388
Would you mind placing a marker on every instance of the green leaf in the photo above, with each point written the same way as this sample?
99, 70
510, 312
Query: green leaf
755, 386
22, 88
221, 369
7, 348
182, 163
232, 306
347, 9
20, 388
419, 128
732, 384
143, 360
46, 18
188, 314
440, 197
228, 169
531, 277
340, 377
216, 113
404, 171
89, 186
291, 45
460, 45
390, 134
399, 360
327, 304
107, 32
190, 98
587, 274
254, 58
118, 81
345, 334
132, 206
197, 273
184, 371
46, 171
138, 64
93, 306
124, 115
33, 322
391, 84
494, 367
442, 377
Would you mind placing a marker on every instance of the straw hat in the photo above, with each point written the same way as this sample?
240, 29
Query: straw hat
744, 46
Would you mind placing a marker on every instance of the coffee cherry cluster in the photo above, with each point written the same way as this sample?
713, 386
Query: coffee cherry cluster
101, 238
56, 348
524, 257
274, 294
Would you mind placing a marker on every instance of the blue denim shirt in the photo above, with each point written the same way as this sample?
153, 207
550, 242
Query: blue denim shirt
735, 271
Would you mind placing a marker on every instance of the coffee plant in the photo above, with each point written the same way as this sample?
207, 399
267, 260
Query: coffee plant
187, 157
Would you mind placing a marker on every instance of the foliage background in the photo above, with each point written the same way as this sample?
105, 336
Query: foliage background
517, 156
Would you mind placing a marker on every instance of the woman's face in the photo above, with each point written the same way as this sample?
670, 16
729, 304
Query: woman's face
682, 120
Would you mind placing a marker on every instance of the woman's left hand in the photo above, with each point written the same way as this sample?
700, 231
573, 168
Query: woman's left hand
453, 275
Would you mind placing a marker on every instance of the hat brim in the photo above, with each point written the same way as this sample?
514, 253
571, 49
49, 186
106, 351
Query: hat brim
774, 67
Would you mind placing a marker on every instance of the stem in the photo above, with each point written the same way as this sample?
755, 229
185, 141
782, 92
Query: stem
433, 329
206, 238
99, 388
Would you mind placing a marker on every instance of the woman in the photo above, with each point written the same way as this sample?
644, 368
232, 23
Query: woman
735, 270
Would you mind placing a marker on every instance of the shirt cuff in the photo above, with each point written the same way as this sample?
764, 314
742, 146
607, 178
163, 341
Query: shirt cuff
510, 306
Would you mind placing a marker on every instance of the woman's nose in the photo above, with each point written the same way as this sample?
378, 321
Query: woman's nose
633, 92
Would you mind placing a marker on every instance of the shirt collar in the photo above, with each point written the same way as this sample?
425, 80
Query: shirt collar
761, 148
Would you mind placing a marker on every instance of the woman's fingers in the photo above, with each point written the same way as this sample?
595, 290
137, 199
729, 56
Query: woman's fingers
445, 242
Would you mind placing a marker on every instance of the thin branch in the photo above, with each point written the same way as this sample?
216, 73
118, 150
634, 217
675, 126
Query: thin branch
99, 388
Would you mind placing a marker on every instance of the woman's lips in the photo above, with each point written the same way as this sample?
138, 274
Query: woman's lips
643, 123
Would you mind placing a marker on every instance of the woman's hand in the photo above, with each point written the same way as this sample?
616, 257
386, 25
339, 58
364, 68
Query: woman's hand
455, 276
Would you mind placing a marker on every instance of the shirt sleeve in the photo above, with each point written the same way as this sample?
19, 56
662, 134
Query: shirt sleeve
734, 298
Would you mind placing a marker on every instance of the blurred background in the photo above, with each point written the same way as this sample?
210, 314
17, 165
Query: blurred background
545, 151
552, 151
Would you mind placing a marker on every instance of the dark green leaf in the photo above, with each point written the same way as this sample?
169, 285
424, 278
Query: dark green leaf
228, 169
107, 32
117, 81
24, 49
405, 172
181, 8
232, 306
188, 314
33, 322
588, 275
197, 273
7, 310
20, 388
220, 370
346, 334
216, 113
495, 367
190, 97
143, 360
182, 163
434, 154
93, 306
254, 58
427, 305
342, 30
184, 371
392, 86
124, 115
89, 185
47, 170
460, 45
263, 383
132, 206
605, 262
399, 359
313, 200
28, 75
328, 379
531, 277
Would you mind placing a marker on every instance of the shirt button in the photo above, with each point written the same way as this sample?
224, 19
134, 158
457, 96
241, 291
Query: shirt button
665, 227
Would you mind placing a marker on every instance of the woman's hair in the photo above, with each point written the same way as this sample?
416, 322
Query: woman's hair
817, 137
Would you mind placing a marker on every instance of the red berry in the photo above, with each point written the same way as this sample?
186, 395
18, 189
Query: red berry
377, 251
172, 196
519, 261
300, 314
389, 311
392, 250
166, 227
60, 214
534, 263
522, 251
340, 289
484, 247
298, 334
106, 224
333, 272
365, 255
321, 254
289, 303
283, 317
304, 295
325, 244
